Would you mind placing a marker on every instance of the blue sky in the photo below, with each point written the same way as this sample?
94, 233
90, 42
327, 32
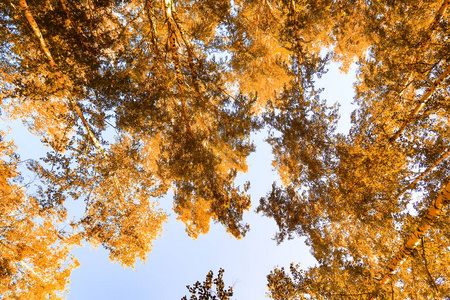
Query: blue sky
177, 260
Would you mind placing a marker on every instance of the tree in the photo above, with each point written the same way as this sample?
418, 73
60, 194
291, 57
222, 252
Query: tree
204, 291
95, 177
31, 266
94, 66
354, 206
201, 130
354, 278
142, 71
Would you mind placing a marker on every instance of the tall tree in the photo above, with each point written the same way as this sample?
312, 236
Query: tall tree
142, 69
95, 178
355, 213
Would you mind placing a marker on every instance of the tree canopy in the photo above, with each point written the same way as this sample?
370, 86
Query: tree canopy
137, 98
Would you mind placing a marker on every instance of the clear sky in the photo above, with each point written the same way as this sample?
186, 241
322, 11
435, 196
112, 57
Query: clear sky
177, 260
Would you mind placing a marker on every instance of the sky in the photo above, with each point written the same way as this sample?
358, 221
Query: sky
176, 260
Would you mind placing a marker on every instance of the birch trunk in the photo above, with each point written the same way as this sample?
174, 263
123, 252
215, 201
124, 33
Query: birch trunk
415, 238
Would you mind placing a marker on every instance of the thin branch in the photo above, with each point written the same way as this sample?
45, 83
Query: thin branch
430, 278
266, 3
425, 173
352, 294
421, 103
25, 160
18, 188
31, 270
392, 290
107, 122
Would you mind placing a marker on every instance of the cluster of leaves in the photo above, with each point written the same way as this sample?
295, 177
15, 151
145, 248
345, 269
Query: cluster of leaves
204, 291
31, 261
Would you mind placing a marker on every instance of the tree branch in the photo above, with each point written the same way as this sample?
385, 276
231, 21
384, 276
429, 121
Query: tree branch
430, 278
425, 173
